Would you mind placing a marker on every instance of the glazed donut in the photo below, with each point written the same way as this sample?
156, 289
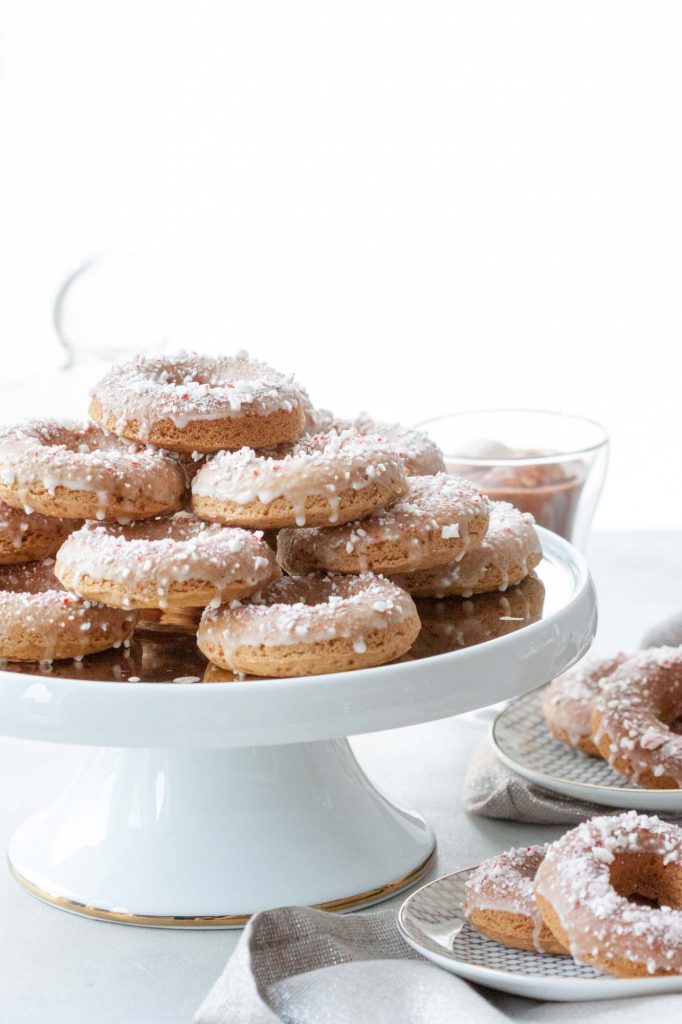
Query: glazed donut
40, 621
632, 716
582, 889
197, 403
440, 519
453, 623
568, 702
509, 551
310, 625
420, 455
78, 472
499, 901
29, 537
329, 478
164, 563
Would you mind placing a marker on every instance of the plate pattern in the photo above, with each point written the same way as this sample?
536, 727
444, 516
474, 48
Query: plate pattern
520, 733
432, 918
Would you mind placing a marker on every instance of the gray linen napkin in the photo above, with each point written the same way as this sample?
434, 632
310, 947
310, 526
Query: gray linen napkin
494, 791
301, 966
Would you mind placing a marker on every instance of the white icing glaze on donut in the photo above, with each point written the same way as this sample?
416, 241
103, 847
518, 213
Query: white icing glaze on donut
325, 465
629, 704
440, 505
420, 455
32, 600
187, 387
505, 884
511, 540
80, 457
308, 610
164, 552
575, 879
569, 700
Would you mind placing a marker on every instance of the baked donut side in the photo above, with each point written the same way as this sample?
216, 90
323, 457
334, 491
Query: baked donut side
164, 563
568, 701
322, 480
30, 536
587, 889
75, 471
440, 519
41, 621
509, 551
311, 625
633, 715
499, 901
189, 403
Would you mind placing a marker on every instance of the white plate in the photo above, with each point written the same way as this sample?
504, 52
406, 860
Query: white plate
431, 920
523, 742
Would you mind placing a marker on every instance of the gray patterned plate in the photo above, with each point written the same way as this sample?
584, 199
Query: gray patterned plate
431, 920
523, 742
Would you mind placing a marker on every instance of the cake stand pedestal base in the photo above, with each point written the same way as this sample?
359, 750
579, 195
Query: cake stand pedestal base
205, 838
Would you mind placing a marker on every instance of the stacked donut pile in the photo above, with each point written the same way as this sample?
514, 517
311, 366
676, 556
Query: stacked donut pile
608, 893
198, 481
625, 709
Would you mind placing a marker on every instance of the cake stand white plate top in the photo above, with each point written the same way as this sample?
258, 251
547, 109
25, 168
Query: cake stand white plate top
211, 802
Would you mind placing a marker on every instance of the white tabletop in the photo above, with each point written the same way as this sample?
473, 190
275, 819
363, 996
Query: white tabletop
57, 968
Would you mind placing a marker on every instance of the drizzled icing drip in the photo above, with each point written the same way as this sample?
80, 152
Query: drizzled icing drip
324, 465
575, 879
306, 610
635, 708
50, 454
188, 387
160, 553
511, 544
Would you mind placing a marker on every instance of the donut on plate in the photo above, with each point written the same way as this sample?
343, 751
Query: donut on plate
499, 901
190, 403
164, 563
440, 519
568, 701
78, 472
633, 714
591, 889
309, 625
30, 537
325, 479
509, 551
420, 455
41, 621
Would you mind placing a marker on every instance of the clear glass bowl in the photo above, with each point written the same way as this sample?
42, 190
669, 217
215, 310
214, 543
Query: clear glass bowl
548, 463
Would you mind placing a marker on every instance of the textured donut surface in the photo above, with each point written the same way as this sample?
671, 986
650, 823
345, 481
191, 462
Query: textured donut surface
568, 701
420, 455
440, 519
41, 621
311, 625
30, 536
164, 563
77, 471
588, 884
633, 714
509, 551
499, 901
190, 402
321, 480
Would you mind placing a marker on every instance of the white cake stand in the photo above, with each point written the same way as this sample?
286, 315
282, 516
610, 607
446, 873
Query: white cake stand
207, 803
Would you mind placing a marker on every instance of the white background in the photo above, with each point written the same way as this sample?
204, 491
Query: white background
419, 207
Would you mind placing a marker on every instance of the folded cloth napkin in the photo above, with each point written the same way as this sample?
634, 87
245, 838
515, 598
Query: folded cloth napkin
301, 966
494, 791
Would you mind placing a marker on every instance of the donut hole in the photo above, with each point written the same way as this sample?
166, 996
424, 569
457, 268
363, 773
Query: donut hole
644, 879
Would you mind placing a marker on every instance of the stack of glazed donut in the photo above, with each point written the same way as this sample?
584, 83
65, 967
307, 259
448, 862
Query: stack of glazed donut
625, 709
213, 484
608, 893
